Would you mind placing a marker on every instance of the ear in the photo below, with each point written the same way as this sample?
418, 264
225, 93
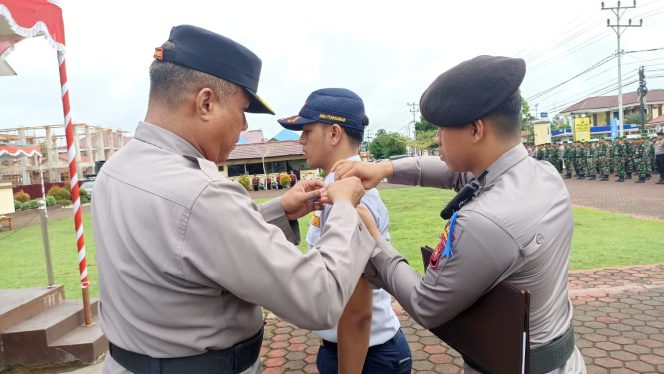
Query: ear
478, 130
335, 134
205, 101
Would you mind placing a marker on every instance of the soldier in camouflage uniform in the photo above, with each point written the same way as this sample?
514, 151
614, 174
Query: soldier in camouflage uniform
568, 156
603, 156
554, 157
641, 159
619, 159
581, 154
575, 160
629, 157
591, 161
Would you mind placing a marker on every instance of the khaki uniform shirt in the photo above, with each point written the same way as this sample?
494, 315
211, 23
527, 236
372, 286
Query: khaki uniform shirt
518, 229
186, 257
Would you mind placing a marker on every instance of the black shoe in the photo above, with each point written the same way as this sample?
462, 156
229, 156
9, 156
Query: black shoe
605, 178
629, 176
660, 182
620, 180
567, 177
641, 180
592, 178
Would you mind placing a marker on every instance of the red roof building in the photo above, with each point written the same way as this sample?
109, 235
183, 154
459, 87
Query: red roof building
601, 109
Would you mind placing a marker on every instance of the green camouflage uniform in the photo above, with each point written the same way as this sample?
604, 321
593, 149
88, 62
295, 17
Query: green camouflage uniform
619, 159
568, 156
591, 161
554, 157
581, 154
629, 158
641, 160
604, 158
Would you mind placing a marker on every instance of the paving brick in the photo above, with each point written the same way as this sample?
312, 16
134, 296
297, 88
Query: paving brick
608, 346
422, 365
639, 366
594, 352
653, 359
608, 362
433, 349
623, 356
441, 359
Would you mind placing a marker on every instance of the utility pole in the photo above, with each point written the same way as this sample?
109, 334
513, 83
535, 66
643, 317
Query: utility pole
413, 109
642, 91
368, 137
617, 12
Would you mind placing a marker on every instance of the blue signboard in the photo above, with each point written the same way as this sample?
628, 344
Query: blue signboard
544, 115
614, 128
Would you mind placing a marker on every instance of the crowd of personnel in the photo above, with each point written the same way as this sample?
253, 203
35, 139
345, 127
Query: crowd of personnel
592, 160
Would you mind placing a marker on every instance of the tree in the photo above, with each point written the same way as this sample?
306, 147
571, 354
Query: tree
526, 120
387, 144
558, 123
425, 135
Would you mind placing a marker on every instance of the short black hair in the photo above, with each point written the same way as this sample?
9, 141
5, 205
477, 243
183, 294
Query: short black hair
357, 136
506, 118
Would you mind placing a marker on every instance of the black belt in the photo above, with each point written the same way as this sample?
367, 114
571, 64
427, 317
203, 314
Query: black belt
545, 358
553, 355
235, 359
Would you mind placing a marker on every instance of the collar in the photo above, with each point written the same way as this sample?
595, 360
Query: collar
164, 139
329, 178
505, 162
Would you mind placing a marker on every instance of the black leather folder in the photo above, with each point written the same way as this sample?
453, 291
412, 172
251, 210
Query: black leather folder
492, 334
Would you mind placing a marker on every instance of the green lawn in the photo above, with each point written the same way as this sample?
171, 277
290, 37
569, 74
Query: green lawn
601, 239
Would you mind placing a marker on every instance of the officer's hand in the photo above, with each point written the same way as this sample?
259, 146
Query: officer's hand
370, 173
303, 197
368, 220
347, 189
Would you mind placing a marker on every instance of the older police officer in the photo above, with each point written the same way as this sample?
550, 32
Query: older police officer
517, 228
185, 256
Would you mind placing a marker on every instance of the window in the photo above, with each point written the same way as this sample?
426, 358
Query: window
256, 168
236, 170
276, 166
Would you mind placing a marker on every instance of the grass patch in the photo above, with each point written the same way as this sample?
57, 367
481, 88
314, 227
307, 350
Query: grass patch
601, 239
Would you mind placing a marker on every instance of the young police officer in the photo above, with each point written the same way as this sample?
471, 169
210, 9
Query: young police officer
518, 227
332, 122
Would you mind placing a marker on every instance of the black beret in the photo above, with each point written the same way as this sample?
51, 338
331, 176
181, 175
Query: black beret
217, 55
471, 90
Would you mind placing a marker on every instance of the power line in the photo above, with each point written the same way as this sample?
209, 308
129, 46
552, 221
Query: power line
644, 50
568, 52
593, 67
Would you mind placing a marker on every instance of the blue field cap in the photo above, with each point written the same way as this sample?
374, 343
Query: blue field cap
217, 55
330, 105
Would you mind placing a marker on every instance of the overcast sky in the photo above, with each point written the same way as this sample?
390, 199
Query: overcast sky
386, 51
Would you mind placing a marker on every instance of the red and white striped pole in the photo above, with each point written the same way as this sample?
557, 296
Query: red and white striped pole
75, 198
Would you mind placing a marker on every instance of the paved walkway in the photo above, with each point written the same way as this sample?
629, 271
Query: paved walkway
636, 199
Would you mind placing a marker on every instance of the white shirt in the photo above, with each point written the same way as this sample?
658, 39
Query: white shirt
384, 322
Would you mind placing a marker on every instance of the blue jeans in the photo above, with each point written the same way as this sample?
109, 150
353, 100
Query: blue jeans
392, 356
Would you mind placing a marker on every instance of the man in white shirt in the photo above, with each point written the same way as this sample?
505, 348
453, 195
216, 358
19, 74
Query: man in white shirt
368, 337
